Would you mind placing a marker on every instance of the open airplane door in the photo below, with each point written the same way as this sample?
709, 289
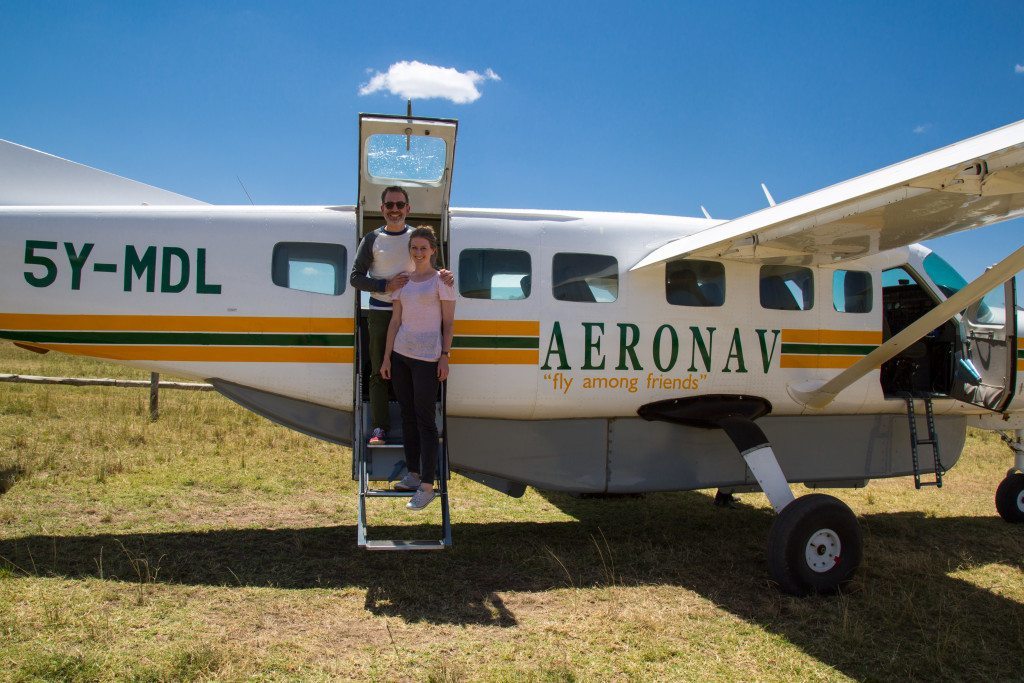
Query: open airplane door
986, 366
417, 154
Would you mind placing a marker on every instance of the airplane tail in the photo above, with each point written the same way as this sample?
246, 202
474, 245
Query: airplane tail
29, 177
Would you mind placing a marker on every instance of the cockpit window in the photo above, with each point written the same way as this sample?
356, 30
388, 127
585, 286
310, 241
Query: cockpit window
950, 282
388, 158
943, 275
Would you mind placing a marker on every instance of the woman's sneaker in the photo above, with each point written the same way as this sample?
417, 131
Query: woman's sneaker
410, 482
420, 499
377, 437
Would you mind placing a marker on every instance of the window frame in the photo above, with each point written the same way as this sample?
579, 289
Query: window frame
801, 305
526, 291
614, 263
286, 253
870, 290
432, 182
705, 262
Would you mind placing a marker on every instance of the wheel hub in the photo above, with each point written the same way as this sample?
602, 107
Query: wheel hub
824, 547
1020, 501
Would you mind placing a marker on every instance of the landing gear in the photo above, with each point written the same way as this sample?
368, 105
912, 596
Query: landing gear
815, 545
1010, 494
1010, 498
725, 499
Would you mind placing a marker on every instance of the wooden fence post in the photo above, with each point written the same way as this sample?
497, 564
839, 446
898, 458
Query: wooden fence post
154, 396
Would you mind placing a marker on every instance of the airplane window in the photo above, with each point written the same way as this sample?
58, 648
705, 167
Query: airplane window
309, 266
947, 279
851, 291
387, 157
585, 277
499, 274
943, 274
695, 283
787, 288
897, 277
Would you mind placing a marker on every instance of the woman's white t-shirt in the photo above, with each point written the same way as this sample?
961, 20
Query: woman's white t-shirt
419, 336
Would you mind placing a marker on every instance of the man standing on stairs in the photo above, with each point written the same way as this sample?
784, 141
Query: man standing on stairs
381, 266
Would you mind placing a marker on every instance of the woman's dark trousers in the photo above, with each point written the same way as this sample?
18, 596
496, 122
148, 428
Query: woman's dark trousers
415, 383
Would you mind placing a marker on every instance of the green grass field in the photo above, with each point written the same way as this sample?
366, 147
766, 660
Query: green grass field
215, 545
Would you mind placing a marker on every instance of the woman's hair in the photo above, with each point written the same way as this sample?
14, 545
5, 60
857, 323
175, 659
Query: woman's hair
427, 233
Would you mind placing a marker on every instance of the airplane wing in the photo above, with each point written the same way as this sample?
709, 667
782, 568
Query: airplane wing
975, 182
29, 177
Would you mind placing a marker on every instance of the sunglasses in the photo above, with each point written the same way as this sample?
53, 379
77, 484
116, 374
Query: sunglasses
395, 205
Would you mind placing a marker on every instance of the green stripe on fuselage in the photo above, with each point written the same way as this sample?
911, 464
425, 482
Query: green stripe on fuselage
464, 342
829, 349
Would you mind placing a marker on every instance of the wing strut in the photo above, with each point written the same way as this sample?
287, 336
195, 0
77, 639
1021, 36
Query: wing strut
818, 393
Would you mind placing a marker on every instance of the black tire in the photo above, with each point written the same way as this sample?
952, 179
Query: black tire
1010, 498
832, 527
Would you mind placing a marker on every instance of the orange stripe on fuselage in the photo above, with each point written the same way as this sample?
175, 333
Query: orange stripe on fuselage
832, 337
174, 323
515, 328
806, 361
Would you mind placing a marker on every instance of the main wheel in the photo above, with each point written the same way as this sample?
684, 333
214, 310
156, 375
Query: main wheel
1010, 498
814, 546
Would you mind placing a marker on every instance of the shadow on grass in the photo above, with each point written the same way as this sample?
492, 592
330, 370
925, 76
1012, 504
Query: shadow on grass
907, 614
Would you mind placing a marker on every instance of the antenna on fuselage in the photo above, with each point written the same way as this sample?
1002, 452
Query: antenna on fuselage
408, 115
706, 214
771, 202
245, 190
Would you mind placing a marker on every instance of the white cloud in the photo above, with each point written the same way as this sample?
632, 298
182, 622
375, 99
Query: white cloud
310, 271
419, 81
1018, 69
923, 128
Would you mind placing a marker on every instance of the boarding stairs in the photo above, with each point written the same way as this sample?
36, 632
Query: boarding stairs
377, 467
916, 443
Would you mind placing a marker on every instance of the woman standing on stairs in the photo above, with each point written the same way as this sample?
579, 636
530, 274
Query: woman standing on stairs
416, 359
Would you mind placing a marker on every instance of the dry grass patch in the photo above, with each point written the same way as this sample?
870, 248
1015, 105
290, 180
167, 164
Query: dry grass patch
214, 545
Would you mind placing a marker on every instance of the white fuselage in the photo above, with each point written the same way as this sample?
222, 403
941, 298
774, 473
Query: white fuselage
189, 291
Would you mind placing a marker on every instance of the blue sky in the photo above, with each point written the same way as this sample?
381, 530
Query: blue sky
653, 107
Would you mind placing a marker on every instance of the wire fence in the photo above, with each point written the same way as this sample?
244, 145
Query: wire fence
154, 384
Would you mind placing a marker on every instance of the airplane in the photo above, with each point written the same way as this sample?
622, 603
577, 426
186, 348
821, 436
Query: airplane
594, 353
